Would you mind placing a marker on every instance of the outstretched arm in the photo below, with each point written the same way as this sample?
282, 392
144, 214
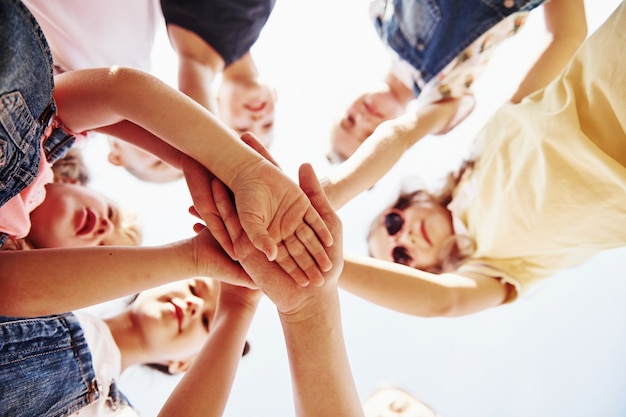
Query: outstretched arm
271, 207
383, 148
411, 291
566, 25
50, 281
321, 377
205, 388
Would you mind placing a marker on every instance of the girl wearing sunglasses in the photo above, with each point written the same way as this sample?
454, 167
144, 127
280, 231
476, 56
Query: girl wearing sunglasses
545, 190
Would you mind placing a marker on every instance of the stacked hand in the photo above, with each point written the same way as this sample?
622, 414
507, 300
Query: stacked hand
280, 223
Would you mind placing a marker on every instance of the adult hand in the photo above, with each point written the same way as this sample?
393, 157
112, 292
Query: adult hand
276, 282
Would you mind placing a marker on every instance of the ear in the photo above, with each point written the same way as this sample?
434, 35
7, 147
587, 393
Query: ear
115, 158
177, 367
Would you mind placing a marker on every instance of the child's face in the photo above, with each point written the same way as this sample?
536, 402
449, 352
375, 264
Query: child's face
73, 215
140, 163
248, 108
174, 319
360, 120
392, 402
414, 236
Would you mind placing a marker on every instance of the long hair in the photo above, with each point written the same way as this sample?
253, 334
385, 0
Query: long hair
457, 247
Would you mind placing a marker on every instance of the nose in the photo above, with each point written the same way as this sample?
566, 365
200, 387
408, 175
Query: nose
194, 305
105, 227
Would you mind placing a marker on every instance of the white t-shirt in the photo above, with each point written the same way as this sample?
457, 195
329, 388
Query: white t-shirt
107, 363
95, 33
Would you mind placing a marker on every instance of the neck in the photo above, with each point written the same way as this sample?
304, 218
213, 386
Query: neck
242, 70
128, 339
402, 93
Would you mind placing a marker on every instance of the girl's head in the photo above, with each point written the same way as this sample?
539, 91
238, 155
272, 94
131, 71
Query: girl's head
417, 230
173, 321
73, 215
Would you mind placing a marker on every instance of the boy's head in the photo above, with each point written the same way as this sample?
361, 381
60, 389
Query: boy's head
73, 215
248, 106
360, 120
140, 163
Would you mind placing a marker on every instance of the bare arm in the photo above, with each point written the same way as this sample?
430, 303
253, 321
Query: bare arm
49, 281
205, 388
198, 66
411, 291
383, 148
566, 25
321, 377
272, 208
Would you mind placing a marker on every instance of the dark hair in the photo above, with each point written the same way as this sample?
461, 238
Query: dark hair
452, 253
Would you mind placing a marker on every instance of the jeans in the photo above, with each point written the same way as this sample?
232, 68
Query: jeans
429, 34
45, 367
26, 102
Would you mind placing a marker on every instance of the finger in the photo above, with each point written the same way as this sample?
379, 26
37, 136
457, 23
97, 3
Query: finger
313, 189
289, 265
315, 249
251, 140
230, 219
303, 259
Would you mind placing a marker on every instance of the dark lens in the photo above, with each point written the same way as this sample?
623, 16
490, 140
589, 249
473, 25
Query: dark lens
401, 255
393, 223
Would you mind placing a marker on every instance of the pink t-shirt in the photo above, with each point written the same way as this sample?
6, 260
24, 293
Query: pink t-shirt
15, 214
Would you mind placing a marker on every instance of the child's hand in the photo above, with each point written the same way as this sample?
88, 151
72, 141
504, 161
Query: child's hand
271, 278
211, 261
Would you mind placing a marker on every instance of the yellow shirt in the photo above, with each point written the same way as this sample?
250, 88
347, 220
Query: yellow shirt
549, 187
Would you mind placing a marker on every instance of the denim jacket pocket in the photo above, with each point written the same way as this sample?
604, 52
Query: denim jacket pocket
20, 144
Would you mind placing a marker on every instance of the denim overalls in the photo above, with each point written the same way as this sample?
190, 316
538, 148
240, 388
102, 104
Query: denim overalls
429, 34
45, 366
26, 104
45, 363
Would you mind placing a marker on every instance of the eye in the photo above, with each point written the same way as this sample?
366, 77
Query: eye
400, 255
192, 288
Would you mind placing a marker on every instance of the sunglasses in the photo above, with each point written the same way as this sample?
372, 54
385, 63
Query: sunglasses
393, 224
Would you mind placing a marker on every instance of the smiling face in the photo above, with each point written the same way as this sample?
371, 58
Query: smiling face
248, 107
73, 215
414, 236
174, 319
363, 116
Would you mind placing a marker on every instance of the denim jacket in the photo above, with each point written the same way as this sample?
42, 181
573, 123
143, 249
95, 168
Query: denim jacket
429, 34
27, 108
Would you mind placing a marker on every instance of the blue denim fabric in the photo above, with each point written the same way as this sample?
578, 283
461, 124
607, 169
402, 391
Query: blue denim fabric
429, 34
26, 103
45, 367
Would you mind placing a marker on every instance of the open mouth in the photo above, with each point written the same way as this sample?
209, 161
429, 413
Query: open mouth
86, 222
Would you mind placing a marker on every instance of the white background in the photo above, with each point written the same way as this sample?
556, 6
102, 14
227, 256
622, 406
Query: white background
557, 352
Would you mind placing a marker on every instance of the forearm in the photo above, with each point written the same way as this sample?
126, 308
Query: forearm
383, 148
419, 293
566, 25
48, 281
126, 94
205, 388
321, 377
